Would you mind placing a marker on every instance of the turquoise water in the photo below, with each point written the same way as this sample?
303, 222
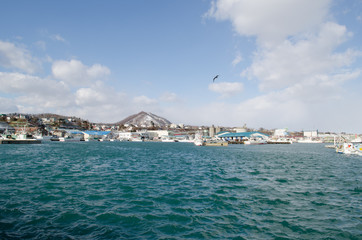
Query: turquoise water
124, 190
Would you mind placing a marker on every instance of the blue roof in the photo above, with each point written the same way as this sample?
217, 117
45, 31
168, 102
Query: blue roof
74, 131
97, 132
242, 134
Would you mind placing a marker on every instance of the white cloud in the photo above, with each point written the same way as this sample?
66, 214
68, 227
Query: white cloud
101, 103
300, 65
19, 83
76, 73
99, 95
14, 57
226, 89
144, 100
237, 59
90, 96
31, 93
271, 21
57, 37
291, 63
169, 97
7, 106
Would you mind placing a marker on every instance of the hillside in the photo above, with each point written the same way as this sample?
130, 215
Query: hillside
143, 119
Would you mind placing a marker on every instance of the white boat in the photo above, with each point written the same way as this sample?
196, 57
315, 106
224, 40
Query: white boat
20, 138
168, 139
135, 139
350, 148
280, 141
255, 141
216, 143
43, 138
309, 140
198, 141
357, 140
57, 139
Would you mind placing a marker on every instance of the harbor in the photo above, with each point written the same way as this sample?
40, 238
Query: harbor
147, 127
155, 190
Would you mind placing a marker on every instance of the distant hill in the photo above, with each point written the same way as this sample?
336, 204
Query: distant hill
144, 119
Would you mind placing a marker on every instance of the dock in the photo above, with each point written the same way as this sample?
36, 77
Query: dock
22, 141
217, 144
279, 142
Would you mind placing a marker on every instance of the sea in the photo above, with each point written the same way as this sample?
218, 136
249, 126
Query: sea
154, 190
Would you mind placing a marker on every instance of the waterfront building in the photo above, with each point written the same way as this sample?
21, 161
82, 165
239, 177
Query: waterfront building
310, 134
232, 136
241, 129
126, 136
161, 133
212, 131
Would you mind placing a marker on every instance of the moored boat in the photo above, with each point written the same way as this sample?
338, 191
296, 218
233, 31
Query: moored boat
258, 141
350, 148
21, 138
198, 141
216, 143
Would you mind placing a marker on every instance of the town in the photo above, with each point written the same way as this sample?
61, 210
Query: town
149, 127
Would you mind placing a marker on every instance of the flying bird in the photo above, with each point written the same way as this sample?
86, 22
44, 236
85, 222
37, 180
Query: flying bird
213, 80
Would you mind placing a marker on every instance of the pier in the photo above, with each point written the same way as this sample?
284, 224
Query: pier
23, 141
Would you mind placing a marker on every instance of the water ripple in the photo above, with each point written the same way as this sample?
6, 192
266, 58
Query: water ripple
113, 190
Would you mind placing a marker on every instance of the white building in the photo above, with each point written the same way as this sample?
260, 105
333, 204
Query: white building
160, 133
281, 132
310, 134
128, 135
241, 129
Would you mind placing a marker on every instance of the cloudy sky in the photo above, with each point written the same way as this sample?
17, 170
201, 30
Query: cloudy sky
281, 63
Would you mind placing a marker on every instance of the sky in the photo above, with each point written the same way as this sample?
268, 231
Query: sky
292, 64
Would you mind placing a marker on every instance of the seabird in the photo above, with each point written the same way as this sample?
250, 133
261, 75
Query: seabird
213, 80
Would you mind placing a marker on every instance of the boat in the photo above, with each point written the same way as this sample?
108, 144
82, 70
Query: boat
198, 141
57, 139
167, 139
309, 140
255, 141
280, 141
43, 137
216, 143
350, 148
136, 139
346, 146
21, 138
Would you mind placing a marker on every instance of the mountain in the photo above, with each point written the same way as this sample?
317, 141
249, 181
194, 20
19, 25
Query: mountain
143, 119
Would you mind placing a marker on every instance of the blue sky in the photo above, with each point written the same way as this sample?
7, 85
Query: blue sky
294, 64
